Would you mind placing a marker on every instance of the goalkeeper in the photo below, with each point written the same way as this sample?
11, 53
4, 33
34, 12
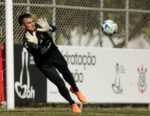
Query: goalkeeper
47, 57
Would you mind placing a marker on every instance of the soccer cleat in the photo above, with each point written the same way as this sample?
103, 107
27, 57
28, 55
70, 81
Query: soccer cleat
79, 95
75, 108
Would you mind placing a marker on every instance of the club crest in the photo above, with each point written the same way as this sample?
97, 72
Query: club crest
142, 84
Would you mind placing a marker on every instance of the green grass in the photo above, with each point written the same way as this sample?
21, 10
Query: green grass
68, 112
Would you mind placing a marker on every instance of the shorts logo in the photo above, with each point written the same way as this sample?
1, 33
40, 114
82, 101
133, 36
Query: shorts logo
142, 84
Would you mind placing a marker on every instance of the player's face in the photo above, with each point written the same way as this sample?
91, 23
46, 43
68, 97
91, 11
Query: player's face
28, 24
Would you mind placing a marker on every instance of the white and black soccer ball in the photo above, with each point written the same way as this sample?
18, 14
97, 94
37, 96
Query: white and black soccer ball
109, 27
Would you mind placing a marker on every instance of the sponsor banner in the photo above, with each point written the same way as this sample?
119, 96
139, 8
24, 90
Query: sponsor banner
107, 75
2, 99
30, 84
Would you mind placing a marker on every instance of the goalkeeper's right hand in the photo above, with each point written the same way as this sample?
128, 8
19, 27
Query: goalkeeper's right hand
31, 38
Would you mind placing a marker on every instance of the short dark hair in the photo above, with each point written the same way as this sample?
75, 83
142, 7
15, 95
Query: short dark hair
21, 17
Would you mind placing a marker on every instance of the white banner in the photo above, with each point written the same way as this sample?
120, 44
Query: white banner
107, 75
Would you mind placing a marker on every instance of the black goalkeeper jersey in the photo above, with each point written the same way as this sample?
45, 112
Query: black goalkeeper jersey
44, 48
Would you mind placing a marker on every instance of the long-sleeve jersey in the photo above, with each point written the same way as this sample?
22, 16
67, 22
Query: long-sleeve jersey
43, 49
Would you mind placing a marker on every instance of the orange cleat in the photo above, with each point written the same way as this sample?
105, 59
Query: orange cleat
79, 95
75, 108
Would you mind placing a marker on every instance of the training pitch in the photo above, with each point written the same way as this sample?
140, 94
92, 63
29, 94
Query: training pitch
67, 112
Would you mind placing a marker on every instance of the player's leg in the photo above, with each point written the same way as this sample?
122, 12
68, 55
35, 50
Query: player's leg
62, 66
68, 77
53, 76
51, 73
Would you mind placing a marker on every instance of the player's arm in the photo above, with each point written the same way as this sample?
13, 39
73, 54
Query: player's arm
31, 40
52, 28
45, 27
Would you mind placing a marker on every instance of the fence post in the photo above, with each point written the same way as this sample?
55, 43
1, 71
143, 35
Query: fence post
28, 7
54, 19
127, 23
101, 19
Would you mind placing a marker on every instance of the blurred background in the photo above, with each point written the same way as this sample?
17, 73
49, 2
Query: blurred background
78, 21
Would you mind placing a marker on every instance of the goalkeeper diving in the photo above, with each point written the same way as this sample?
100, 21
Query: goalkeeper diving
48, 58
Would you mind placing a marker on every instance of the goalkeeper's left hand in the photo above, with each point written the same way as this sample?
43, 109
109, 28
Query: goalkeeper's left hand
42, 22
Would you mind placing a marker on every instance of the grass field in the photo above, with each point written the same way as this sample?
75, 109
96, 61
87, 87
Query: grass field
68, 112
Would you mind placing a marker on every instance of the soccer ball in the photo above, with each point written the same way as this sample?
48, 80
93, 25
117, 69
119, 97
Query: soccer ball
109, 27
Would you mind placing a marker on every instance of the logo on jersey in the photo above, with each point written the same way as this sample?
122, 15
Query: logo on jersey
42, 36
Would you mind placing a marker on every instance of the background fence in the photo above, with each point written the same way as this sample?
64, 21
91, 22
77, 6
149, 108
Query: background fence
78, 21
